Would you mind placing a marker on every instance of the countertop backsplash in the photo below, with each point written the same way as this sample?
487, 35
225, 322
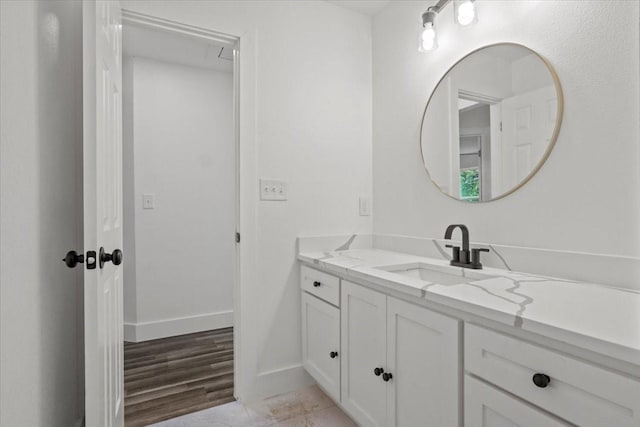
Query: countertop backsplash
608, 270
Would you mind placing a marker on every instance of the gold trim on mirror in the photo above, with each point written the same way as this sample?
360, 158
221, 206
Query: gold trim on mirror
550, 145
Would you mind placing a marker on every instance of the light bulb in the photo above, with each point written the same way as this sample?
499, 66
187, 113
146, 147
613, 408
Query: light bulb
466, 12
428, 39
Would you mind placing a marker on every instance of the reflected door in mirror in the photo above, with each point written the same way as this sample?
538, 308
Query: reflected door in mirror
491, 122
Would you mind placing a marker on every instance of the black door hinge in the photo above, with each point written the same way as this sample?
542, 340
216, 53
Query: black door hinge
237, 237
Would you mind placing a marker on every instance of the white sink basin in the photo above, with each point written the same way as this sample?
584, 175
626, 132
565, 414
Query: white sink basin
439, 274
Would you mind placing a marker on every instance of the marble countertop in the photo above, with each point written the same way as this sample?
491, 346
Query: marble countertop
599, 318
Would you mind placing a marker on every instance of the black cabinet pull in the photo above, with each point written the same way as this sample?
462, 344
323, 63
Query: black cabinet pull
378, 371
386, 376
541, 380
316, 284
333, 354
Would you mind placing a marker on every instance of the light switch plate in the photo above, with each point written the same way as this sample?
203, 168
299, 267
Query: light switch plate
364, 206
148, 201
273, 189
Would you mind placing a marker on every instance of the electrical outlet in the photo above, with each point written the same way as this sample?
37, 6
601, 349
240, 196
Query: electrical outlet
148, 201
364, 206
271, 189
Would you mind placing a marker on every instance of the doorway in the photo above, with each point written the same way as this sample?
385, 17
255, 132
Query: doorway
479, 127
180, 208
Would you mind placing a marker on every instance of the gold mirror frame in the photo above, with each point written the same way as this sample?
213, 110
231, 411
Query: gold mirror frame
554, 135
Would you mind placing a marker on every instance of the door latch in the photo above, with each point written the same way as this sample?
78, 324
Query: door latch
72, 259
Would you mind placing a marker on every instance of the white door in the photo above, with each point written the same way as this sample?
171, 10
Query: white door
485, 406
528, 121
321, 343
363, 335
422, 356
102, 192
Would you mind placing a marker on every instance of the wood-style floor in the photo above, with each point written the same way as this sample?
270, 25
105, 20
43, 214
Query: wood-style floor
174, 376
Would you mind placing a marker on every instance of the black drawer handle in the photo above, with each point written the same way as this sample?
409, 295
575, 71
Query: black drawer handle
541, 380
378, 371
386, 376
333, 354
316, 284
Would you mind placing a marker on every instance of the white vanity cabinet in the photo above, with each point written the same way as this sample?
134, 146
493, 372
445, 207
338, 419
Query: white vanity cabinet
416, 352
579, 392
321, 343
402, 364
364, 348
486, 406
321, 329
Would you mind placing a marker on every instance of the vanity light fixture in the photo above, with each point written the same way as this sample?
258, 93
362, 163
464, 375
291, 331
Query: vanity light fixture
465, 14
465, 11
428, 35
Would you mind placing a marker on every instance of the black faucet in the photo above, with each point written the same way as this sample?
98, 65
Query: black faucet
464, 258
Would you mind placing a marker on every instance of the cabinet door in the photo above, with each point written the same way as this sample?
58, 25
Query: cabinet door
424, 360
363, 349
485, 406
321, 343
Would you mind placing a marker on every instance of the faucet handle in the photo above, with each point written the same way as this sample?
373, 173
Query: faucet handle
455, 252
475, 257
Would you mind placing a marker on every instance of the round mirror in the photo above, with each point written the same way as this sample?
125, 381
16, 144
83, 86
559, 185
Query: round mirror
491, 122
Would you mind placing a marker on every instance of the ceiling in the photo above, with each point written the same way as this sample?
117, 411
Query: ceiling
169, 47
366, 7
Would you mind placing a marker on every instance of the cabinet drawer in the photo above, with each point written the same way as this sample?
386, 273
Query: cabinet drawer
320, 284
578, 392
486, 406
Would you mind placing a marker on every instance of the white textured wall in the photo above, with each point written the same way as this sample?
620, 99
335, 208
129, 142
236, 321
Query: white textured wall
182, 148
40, 145
312, 90
585, 197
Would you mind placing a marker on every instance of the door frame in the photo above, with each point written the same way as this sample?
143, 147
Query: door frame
245, 204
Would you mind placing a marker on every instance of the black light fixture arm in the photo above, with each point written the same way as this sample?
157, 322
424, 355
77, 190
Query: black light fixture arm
439, 6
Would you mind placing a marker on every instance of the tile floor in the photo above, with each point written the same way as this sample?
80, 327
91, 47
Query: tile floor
308, 407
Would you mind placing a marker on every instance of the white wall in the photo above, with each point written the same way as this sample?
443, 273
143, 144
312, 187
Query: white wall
585, 197
40, 184
528, 74
308, 70
180, 138
495, 81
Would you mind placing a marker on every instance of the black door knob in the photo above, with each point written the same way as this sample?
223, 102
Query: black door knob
316, 284
378, 371
73, 258
115, 257
386, 376
541, 380
333, 354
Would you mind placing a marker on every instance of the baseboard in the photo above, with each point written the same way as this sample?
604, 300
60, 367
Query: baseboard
137, 332
278, 381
